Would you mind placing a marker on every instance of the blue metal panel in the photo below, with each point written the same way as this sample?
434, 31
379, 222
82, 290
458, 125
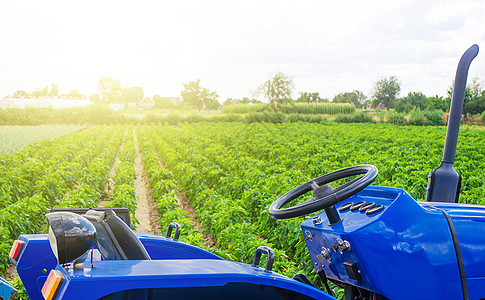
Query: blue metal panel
112, 276
469, 221
476, 287
37, 256
404, 251
165, 248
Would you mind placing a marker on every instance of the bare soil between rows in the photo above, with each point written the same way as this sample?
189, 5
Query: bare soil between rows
146, 212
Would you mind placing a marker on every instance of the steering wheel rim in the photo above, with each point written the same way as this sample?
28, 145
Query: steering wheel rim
340, 193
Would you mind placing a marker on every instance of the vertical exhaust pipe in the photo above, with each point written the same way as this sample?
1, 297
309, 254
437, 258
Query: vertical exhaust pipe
444, 183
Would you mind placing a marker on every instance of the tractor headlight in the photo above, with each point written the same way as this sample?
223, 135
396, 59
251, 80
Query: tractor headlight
70, 235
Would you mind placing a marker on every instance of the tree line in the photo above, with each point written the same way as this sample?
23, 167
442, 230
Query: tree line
277, 90
47, 91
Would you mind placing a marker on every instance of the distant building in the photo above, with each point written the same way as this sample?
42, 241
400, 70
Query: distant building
43, 102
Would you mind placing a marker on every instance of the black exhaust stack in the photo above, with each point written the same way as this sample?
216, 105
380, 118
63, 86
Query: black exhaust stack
444, 183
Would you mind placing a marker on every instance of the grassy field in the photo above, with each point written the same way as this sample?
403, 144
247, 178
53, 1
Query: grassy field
15, 138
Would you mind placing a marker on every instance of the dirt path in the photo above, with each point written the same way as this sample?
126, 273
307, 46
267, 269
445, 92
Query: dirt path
146, 212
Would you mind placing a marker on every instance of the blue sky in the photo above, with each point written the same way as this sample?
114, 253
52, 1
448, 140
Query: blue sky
325, 46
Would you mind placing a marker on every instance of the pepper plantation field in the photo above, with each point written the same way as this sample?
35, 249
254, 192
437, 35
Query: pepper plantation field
228, 173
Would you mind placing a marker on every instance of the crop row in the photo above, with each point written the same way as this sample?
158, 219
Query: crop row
69, 172
124, 190
165, 192
227, 220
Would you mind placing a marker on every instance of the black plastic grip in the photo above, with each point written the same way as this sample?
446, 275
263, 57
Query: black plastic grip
257, 257
177, 230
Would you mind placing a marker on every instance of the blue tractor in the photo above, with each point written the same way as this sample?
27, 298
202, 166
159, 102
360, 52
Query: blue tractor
375, 242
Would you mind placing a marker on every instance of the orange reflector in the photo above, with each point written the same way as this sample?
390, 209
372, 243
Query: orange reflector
52, 284
16, 249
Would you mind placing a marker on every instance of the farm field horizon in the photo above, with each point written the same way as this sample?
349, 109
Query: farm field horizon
218, 179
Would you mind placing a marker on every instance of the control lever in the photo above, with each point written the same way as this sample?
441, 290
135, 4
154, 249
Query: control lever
323, 278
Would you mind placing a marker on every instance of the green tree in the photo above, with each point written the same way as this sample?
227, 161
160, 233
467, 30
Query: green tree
20, 94
437, 102
474, 100
75, 94
54, 92
277, 89
109, 90
385, 92
476, 88
311, 97
412, 100
194, 96
43, 92
476, 106
132, 95
356, 97
162, 102
472, 92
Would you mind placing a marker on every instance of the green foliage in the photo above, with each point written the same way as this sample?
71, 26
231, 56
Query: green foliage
396, 118
68, 171
411, 101
476, 105
162, 102
434, 117
304, 118
277, 89
385, 92
109, 90
293, 108
419, 117
310, 98
356, 97
245, 100
124, 190
245, 108
18, 285
194, 96
316, 108
43, 92
132, 95
357, 117
267, 117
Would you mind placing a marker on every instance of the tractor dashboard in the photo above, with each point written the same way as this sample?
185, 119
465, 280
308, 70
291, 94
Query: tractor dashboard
383, 230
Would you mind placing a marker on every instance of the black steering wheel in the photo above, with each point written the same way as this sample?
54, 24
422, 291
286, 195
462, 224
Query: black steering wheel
324, 196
